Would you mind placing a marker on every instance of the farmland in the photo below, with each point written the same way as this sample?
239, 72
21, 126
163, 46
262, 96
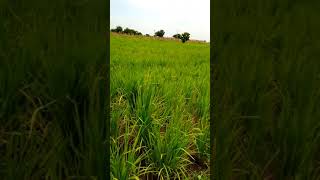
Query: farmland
53, 79
266, 90
159, 108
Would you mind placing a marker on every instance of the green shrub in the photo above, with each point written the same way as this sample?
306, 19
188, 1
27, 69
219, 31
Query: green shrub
118, 29
159, 33
177, 36
131, 31
185, 37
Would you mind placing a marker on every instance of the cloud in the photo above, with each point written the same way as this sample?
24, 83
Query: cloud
174, 16
181, 10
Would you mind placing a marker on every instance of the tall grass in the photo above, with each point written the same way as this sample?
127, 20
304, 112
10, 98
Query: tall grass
160, 91
266, 92
52, 90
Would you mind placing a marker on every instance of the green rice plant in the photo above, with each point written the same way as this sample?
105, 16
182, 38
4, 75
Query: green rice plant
168, 155
127, 154
143, 110
52, 90
266, 92
202, 142
163, 85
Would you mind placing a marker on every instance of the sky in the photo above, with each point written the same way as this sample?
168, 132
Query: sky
173, 16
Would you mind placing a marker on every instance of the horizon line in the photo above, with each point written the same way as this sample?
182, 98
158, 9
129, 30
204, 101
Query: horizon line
159, 30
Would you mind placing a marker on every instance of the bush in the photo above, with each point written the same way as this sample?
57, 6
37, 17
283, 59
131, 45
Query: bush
131, 31
118, 29
159, 33
128, 31
177, 36
185, 37
148, 35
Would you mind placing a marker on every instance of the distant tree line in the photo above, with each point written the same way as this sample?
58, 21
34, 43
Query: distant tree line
129, 31
184, 37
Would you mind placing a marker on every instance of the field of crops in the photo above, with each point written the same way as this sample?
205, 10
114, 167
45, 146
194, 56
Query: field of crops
266, 89
53, 79
159, 108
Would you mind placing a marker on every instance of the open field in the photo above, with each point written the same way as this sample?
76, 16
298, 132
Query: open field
159, 108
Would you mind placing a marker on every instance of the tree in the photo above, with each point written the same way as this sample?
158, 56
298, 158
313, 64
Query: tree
131, 31
127, 31
177, 36
185, 37
118, 29
148, 35
159, 33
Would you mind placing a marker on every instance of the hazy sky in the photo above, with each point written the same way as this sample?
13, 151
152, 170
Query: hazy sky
173, 16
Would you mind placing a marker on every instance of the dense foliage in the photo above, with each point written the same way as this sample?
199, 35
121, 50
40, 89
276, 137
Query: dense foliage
177, 36
118, 29
159, 33
128, 31
53, 99
184, 37
266, 89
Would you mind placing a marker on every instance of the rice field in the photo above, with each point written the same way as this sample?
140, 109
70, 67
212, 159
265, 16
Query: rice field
266, 89
159, 108
53, 79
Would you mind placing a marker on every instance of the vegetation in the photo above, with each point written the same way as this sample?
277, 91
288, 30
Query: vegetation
52, 91
159, 33
159, 109
129, 31
177, 36
184, 37
118, 29
266, 89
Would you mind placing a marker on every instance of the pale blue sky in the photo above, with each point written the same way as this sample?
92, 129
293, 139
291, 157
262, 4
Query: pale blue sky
173, 16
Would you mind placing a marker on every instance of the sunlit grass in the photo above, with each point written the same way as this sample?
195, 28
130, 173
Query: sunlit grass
161, 89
